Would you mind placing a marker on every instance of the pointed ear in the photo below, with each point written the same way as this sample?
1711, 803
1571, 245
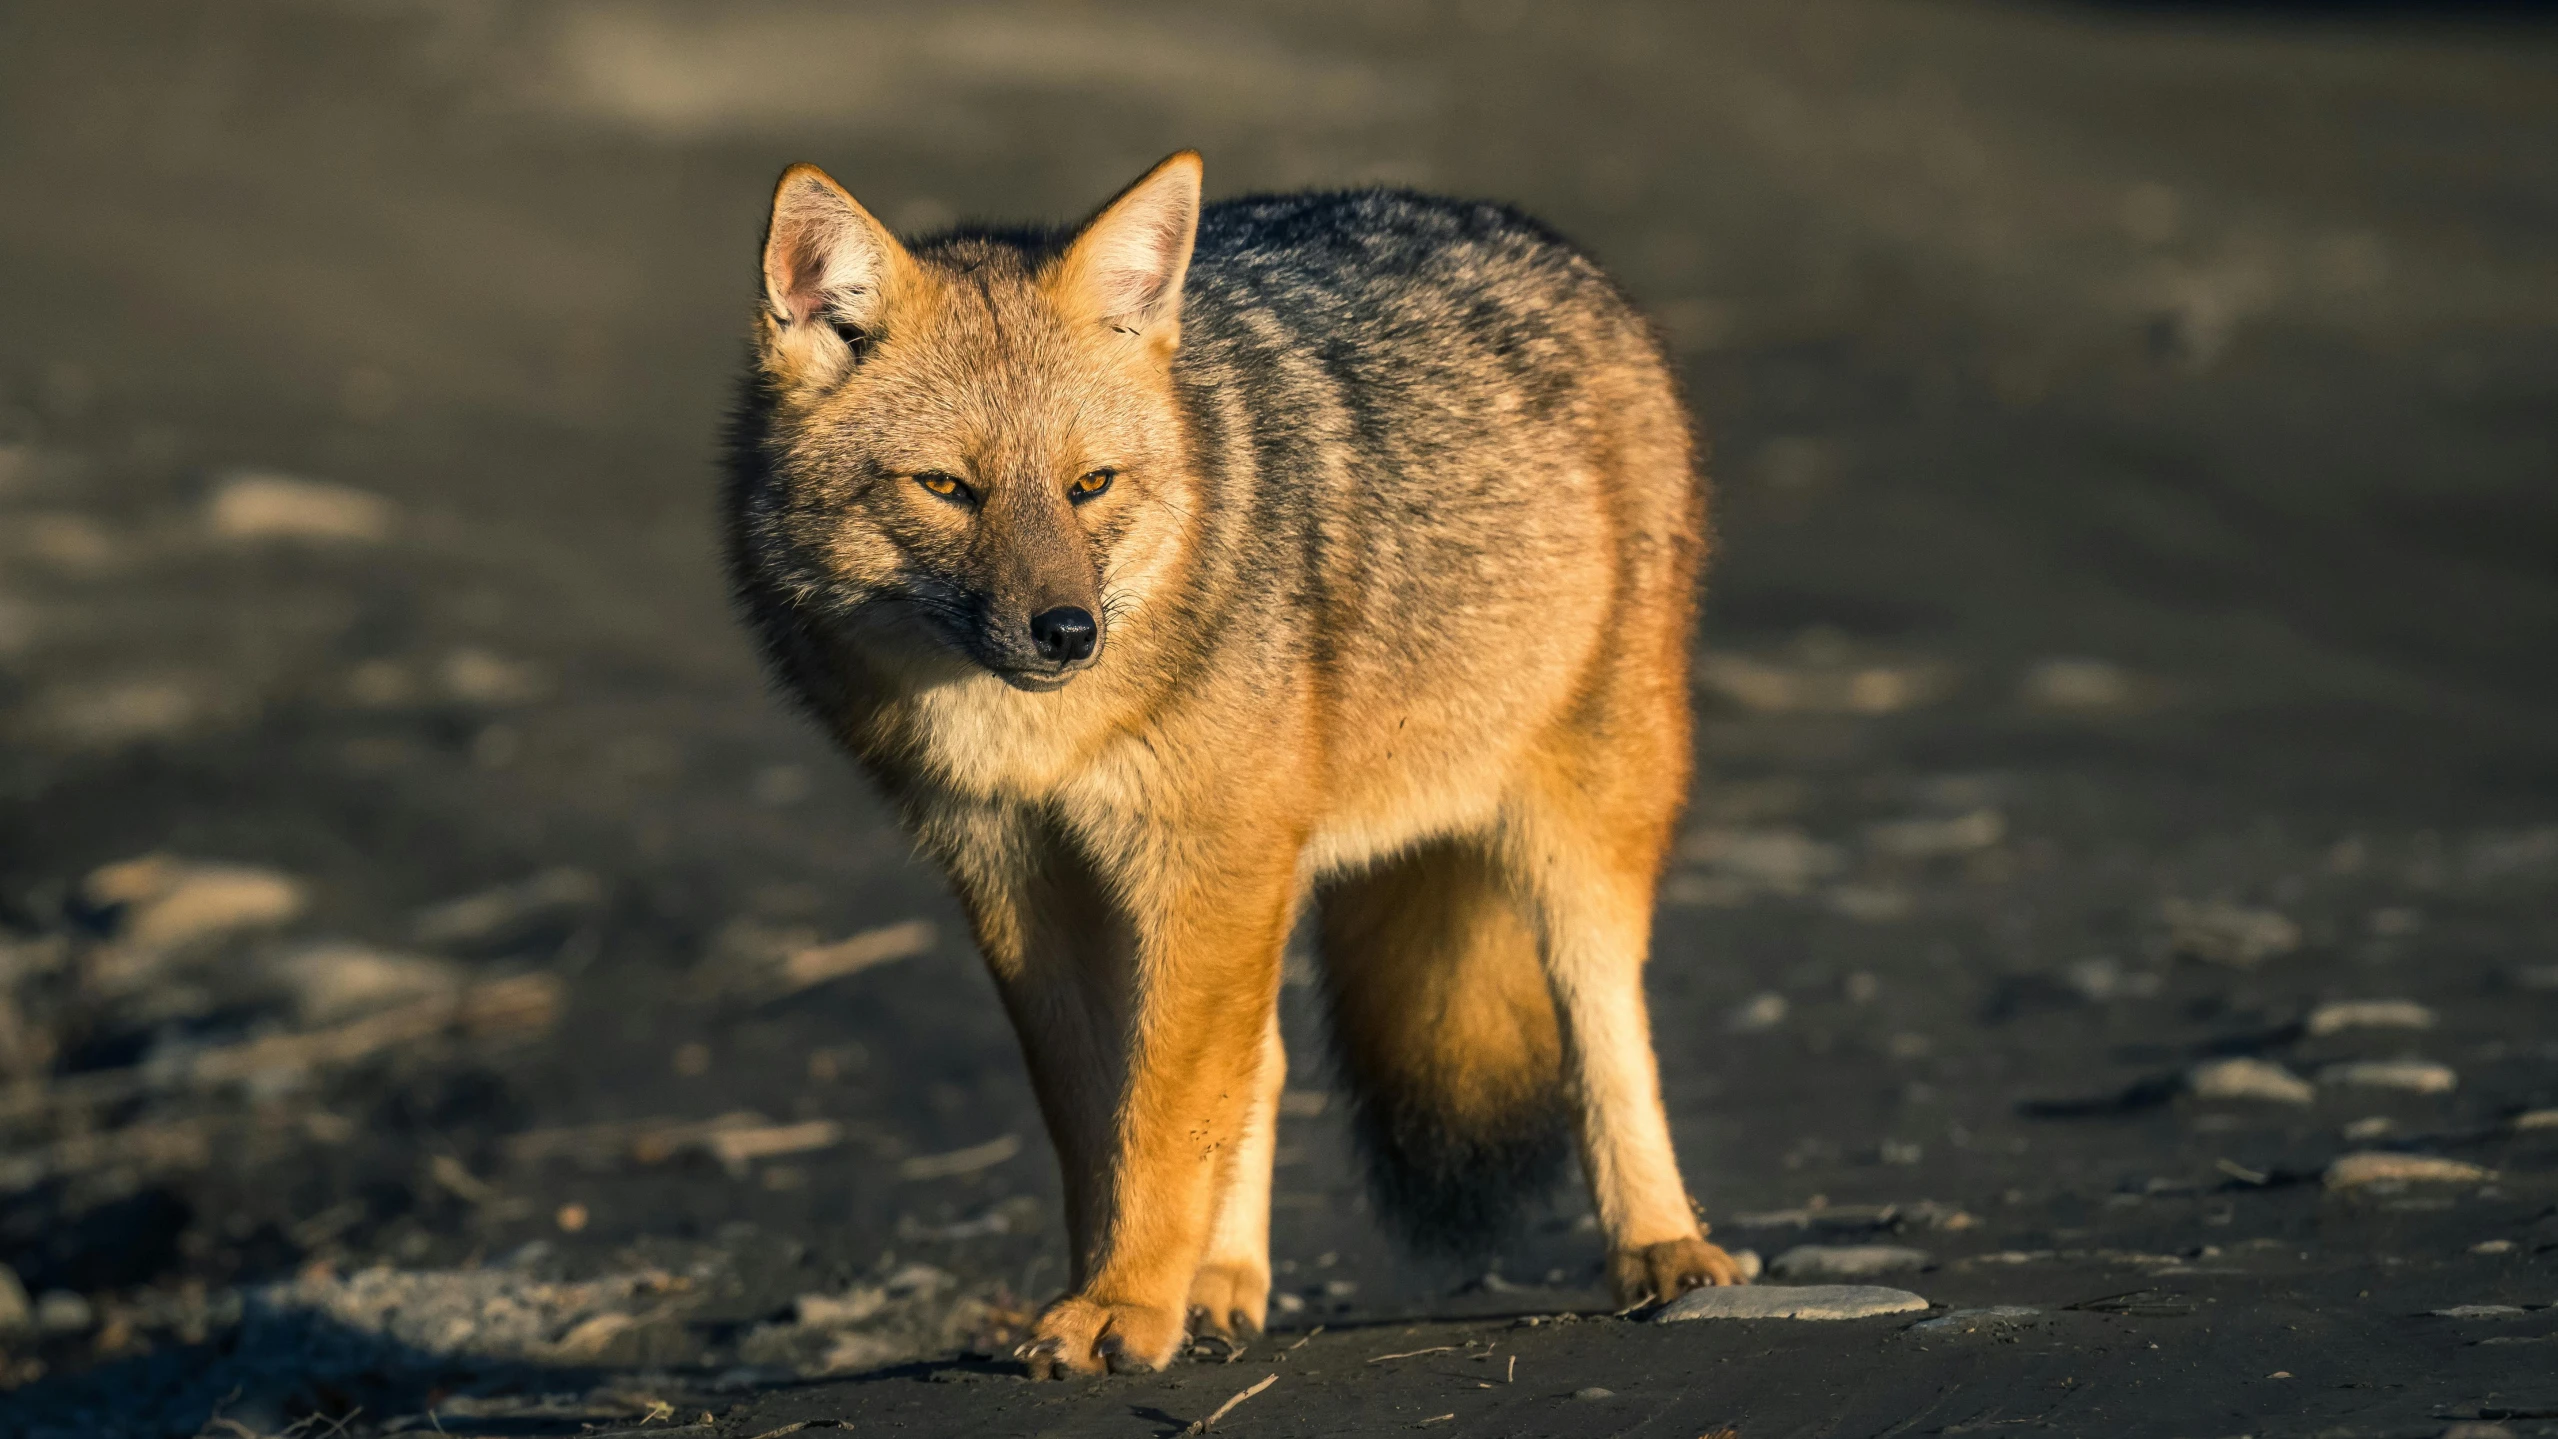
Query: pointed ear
828, 266
1126, 266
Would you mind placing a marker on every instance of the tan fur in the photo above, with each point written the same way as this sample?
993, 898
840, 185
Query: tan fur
1482, 819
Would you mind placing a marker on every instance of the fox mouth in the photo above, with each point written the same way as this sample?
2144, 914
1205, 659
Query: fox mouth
1038, 677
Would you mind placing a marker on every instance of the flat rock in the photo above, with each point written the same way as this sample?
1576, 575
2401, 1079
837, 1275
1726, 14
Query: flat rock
2253, 1079
2338, 1016
254, 505
2480, 1311
2381, 1167
2416, 1076
1973, 1321
1845, 1261
2230, 934
1790, 1301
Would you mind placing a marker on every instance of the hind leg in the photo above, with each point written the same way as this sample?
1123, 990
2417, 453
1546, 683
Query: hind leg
1230, 1295
1589, 844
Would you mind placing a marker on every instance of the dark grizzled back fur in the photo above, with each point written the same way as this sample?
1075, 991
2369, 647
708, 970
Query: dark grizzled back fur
1358, 329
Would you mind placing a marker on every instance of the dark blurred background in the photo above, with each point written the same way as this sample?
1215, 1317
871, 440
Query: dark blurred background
2134, 429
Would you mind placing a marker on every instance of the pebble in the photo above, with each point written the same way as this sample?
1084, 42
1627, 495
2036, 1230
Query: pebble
60, 1311
1807, 1301
2492, 1246
2248, 1079
170, 902
256, 505
1760, 1012
17, 1313
2480, 1311
2341, 1015
2383, 1167
1845, 1261
333, 982
1972, 1321
1594, 1392
1935, 838
2068, 683
2418, 1076
2537, 1119
2230, 934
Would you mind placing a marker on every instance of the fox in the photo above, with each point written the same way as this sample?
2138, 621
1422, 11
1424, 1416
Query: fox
1196, 569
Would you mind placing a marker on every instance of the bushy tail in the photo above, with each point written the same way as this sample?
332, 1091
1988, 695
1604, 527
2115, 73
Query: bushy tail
1446, 1036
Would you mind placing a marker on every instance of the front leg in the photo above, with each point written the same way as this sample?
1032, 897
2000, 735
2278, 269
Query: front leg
1146, 1020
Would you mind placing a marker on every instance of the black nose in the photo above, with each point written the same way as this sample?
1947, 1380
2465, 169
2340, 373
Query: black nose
1064, 634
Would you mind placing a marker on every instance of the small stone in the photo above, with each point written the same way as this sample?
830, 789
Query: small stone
62, 1312
2480, 1311
17, 1312
1845, 1261
168, 903
2230, 934
2492, 1246
1935, 838
2478, 1428
2076, 684
1806, 1301
2381, 1167
1594, 1392
2248, 1079
1749, 1263
591, 1337
2537, 1119
2417, 1076
1973, 1321
2369, 1128
2341, 1015
1761, 1012
334, 982
253, 505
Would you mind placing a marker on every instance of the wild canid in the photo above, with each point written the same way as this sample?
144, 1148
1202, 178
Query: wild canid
1177, 570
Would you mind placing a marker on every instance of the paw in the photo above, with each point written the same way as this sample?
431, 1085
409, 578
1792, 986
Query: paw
1659, 1273
1081, 1336
1229, 1301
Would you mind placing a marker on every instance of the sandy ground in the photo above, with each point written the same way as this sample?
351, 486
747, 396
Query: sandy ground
441, 990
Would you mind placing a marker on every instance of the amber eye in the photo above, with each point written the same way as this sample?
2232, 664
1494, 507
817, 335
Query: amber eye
949, 487
1090, 485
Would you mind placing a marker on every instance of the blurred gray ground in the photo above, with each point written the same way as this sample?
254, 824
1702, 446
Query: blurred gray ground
2135, 434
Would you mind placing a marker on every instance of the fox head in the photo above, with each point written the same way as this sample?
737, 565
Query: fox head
972, 444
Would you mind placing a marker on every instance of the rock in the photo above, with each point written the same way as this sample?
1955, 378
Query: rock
61, 1312
17, 1313
830, 1311
1845, 1261
1594, 1392
2341, 1015
2492, 1246
2480, 1311
256, 505
2076, 684
1973, 1321
496, 915
1935, 838
2248, 1079
2418, 1076
1760, 1012
1749, 1263
476, 676
2382, 1167
169, 902
2537, 1119
590, 1338
1781, 861
2229, 934
333, 982
1806, 1301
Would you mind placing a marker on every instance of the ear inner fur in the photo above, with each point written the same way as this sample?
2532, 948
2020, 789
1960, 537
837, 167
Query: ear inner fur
1125, 267
825, 258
